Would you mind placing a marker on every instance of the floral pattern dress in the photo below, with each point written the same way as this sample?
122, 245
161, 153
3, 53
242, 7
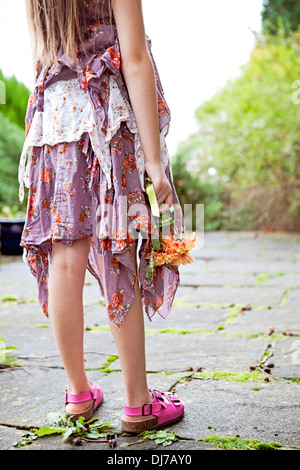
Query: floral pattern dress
84, 168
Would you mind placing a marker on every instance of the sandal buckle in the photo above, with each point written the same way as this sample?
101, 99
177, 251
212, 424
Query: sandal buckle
143, 409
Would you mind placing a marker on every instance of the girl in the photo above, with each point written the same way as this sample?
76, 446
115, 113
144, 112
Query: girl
96, 124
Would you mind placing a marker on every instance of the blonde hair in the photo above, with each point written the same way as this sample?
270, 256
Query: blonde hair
57, 24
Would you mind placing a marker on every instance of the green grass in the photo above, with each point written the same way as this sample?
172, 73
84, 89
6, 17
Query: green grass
254, 376
238, 443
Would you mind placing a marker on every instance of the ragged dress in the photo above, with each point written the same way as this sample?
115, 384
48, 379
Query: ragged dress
84, 168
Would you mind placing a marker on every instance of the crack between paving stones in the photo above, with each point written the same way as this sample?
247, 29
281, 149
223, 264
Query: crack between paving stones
19, 428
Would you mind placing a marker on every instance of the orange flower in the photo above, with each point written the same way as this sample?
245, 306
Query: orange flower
158, 302
106, 244
120, 244
30, 211
117, 298
175, 251
89, 74
115, 57
66, 147
107, 200
115, 264
162, 109
45, 175
45, 309
143, 222
121, 233
32, 199
27, 126
116, 302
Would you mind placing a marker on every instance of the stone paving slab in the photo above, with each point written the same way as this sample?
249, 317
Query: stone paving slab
258, 321
234, 278
239, 295
286, 356
267, 412
168, 353
189, 319
242, 286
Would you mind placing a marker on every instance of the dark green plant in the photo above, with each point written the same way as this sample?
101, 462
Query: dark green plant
249, 132
163, 437
6, 358
280, 14
12, 135
16, 99
69, 430
11, 144
192, 190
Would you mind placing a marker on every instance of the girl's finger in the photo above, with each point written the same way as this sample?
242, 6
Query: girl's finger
163, 208
169, 200
166, 205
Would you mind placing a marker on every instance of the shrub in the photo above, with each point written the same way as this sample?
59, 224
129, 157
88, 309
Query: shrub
249, 132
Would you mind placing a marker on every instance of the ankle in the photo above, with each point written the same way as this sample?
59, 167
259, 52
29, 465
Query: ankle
139, 399
76, 388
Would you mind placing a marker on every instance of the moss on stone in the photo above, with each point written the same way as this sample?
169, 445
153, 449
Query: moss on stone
239, 443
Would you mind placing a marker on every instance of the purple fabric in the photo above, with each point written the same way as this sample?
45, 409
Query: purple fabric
69, 197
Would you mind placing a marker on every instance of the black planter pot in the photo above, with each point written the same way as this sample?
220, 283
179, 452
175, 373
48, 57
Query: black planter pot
10, 235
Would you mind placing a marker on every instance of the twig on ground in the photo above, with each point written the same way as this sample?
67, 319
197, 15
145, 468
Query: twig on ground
259, 366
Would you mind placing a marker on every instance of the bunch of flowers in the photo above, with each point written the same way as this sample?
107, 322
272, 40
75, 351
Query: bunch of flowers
172, 249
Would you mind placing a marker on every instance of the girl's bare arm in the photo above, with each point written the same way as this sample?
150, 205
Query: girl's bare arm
139, 76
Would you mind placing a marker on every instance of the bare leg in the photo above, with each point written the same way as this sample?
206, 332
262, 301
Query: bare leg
66, 280
130, 343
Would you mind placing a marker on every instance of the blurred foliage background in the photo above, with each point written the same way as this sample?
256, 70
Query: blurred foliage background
12, 135
243, 163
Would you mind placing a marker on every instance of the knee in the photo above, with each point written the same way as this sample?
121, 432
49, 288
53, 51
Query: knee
67, 266
70, 259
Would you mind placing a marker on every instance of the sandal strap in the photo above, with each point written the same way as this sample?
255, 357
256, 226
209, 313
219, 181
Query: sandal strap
144, 410
150, 408
169, 396
80, 398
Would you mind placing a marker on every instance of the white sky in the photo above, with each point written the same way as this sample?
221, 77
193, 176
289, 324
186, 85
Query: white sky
197, 45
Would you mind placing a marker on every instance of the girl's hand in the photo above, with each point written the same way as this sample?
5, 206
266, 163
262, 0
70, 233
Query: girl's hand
162, 187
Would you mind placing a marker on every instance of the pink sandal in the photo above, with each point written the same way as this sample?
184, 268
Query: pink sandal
95, 394
165, 409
